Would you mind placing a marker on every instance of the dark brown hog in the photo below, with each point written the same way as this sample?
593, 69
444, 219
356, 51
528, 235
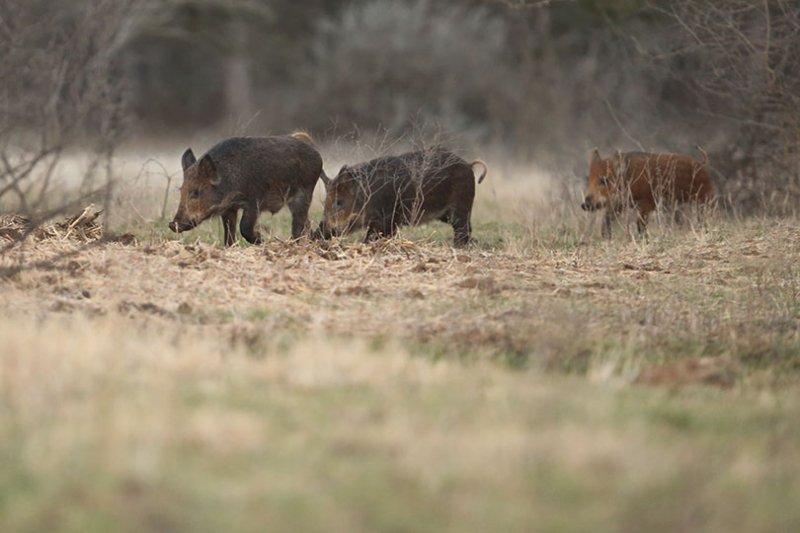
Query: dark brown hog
412, 188
253, 174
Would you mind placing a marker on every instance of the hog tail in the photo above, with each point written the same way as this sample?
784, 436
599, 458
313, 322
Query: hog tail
303, 136
705, 155
485, 169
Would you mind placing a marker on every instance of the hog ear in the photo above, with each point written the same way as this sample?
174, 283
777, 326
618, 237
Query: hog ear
324, 177
207, 169
345, 179
595, 157
188, 159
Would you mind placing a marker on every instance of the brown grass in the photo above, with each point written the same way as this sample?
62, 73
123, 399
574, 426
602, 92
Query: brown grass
537, 307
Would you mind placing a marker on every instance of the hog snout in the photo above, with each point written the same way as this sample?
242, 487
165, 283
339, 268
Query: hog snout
178, 226
318, 234
588, 205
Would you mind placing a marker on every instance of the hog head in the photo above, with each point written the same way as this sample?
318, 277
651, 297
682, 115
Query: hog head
201, 197
603, 183
341, 199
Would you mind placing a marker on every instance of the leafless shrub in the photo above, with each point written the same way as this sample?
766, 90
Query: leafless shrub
60, 94
747, 54
388, 64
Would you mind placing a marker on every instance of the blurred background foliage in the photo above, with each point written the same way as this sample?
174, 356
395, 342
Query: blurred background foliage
494, 71
532, 80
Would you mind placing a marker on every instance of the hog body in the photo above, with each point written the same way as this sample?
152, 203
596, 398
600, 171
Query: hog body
413, 188
252, 174
642, 181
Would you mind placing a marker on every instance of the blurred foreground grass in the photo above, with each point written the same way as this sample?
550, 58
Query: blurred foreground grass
113, 426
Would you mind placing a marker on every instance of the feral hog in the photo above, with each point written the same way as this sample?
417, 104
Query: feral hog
253, 174
412, 188
643, 180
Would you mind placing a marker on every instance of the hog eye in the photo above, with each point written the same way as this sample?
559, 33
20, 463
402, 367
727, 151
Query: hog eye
194, 194
603, 181
339, 204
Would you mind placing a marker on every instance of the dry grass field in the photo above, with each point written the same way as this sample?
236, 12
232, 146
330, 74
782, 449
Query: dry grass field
541, 380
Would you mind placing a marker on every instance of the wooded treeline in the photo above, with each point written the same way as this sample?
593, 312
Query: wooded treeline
544, 80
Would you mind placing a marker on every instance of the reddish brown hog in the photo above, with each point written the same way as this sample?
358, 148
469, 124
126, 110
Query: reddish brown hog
412, 188
252, 174
642, 181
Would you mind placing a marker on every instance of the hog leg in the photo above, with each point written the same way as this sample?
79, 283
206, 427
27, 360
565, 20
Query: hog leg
299, 206
229, 225
462, 228
248, 224
677, 215
608, 220
641, 223
643, 211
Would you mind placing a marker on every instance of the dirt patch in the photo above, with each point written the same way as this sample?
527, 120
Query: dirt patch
704, 371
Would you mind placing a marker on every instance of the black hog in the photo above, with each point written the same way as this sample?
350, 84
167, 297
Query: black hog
253, 174
412, 188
